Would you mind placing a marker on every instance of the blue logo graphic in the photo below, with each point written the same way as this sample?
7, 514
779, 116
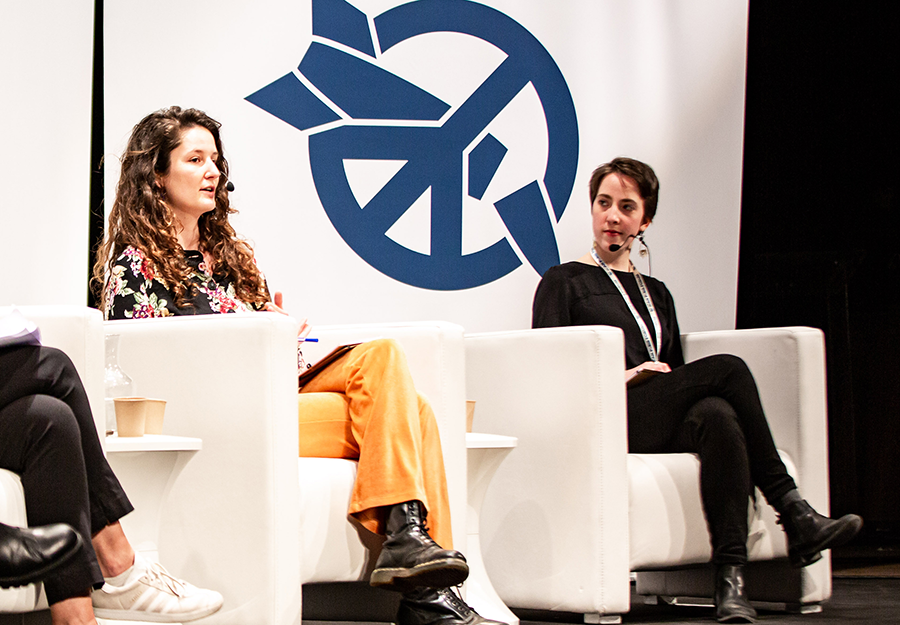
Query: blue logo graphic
369, 110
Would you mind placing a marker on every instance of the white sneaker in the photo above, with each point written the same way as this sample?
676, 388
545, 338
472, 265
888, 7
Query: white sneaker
154, 596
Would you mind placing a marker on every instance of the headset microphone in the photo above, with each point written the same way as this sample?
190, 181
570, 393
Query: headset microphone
615, 247
645, 251
229, 186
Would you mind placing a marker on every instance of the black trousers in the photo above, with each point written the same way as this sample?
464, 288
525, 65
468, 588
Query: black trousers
711, 407
48, 437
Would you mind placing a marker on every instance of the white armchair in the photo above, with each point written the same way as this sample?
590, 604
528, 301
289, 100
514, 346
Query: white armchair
554, 524
569, 514
78, 331
238, 519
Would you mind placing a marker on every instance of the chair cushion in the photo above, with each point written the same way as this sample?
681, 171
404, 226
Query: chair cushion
666, 521
333, 548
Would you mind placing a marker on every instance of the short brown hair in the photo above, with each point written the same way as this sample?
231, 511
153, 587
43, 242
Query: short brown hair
642, 174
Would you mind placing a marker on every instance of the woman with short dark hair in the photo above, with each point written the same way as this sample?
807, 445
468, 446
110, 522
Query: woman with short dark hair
710, 407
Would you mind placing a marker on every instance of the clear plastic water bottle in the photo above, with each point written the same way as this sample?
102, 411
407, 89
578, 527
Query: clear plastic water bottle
117, 382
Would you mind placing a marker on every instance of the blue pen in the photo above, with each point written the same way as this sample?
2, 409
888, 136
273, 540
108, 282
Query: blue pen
307, 340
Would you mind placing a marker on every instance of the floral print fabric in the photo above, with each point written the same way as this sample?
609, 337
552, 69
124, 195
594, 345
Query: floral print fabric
133, 291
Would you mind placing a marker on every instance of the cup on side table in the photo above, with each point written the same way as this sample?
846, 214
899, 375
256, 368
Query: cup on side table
131, 416
156, 410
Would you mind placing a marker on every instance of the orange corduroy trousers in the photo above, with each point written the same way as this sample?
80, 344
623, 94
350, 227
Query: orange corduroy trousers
364, 407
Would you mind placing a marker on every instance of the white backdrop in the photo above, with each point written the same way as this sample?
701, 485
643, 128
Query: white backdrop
45, 150
658, 80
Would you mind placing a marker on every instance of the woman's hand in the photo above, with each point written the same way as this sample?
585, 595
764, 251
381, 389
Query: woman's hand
276, 306
649, 365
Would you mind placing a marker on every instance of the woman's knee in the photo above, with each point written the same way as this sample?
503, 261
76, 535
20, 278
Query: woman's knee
56, 361
40, 423
56, 372
387, 348
716, 420
54, 419
426, 412
384, 354
731, 365
726, 373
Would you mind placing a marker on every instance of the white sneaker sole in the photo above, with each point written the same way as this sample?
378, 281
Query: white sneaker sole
152, 617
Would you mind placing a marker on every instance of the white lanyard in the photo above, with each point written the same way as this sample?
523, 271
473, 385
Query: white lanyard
637, 316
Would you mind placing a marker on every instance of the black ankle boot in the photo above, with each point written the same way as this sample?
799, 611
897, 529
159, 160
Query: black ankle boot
29, 554
441, 606
410, 558
732, 605
808, 532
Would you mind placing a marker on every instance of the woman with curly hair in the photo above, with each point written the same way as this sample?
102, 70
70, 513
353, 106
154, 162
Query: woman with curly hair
165, 204
171, 251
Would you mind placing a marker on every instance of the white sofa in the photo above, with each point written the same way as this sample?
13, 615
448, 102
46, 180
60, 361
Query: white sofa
78, 331
570, 513
238, 519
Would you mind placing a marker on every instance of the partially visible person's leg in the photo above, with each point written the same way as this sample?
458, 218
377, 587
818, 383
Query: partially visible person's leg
739, 444
808, 532
728, 377
365, 406
42, 444
657, 408
73, 611
66, 478
711, 430
36, 370
400, 476
680, 412
114, 553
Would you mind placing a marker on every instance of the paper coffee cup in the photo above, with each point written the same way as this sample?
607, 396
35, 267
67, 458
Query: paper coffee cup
131, 415
156, 410
470, 414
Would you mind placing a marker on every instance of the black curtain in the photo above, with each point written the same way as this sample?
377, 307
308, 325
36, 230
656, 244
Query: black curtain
819, 226
96, 221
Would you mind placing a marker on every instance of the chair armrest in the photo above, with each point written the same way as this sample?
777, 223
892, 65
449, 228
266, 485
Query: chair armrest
554, 526
232, 517
789, 367
436, 357
78, 331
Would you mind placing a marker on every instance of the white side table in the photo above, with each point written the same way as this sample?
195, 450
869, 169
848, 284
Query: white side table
485, 453
147, 466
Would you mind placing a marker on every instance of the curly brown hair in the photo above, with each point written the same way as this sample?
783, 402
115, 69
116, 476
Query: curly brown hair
141, 218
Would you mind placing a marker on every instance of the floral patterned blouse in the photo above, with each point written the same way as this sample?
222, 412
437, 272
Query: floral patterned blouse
134, 291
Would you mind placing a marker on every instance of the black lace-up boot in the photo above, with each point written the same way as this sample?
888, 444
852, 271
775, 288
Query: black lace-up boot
438, 606
732, 605
410, 558
808, 532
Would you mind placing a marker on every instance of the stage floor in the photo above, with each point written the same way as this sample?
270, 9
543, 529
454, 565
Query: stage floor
854, 599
